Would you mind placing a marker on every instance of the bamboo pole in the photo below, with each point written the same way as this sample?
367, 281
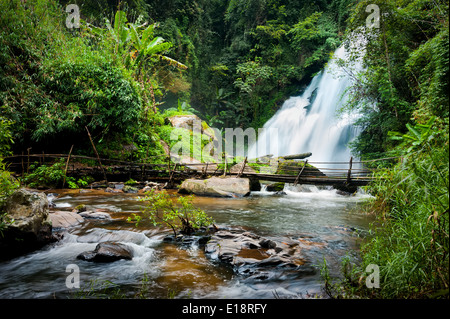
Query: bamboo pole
242, 169
23, 168
67, 165
169, 184
28, 159
300, 173
349, 174
96, 153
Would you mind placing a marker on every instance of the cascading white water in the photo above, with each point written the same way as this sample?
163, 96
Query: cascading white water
309, 123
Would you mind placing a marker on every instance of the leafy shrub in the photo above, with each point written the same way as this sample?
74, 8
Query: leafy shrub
45, 175
54, 176
180, 215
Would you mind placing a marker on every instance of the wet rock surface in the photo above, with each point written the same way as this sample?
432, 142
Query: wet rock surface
64, 219
254, 256
217, 187
31, 228
107, 252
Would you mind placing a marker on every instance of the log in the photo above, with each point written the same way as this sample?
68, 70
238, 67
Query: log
297, 156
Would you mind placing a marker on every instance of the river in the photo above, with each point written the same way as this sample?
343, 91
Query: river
332, 224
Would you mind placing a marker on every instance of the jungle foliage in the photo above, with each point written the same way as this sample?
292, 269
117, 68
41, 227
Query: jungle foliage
133, 63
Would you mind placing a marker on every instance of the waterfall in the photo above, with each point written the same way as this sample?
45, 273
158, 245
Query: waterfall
309, 123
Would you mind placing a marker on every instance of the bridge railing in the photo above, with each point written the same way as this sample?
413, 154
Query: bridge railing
352, 170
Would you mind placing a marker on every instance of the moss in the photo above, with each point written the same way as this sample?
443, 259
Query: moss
292, 167
276, 187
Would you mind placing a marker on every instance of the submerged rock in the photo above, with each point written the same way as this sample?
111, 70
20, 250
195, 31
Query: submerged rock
107, 252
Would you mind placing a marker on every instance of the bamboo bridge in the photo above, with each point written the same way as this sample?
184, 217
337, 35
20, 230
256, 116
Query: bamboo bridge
344, 175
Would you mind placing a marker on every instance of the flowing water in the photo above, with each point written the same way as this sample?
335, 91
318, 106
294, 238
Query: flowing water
328, 225
162, 270
310, 122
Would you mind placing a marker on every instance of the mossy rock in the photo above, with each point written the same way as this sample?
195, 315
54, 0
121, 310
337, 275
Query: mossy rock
276, 187
293, 167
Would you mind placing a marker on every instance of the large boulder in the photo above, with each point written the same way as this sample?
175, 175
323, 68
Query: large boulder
217, 187
192, 122
107, 252
32, 226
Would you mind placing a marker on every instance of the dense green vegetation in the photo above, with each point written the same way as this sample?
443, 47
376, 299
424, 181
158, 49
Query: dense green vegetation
403, 94
242, 59
134, 63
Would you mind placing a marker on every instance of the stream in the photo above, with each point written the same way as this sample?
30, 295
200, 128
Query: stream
332, 224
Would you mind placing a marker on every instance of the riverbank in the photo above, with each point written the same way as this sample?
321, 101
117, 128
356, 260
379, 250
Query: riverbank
320, 216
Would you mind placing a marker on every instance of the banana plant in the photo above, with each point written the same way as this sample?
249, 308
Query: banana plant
136, 44
416, 137
146, 47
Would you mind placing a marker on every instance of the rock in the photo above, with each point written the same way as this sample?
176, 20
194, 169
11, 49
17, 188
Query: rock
51, 197
130, 189
267, 243
95, 215
192, 122
236, 169
107, 252
113, 190
275, 187
217, 187
80, 208
32, 227
293, 167
119, 186
255, 185
252, 255
345, 190
62, 219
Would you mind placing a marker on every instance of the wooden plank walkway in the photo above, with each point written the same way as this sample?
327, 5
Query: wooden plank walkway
338, 174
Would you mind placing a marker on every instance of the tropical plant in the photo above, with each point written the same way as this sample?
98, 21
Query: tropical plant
410, 239
180, 215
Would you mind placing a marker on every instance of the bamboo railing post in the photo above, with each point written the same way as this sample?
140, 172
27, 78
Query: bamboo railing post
67, 165
205, 173
23, 168
300, 173
225, 168
28, 159
349, 174
169, 184
96, 153
242, 169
